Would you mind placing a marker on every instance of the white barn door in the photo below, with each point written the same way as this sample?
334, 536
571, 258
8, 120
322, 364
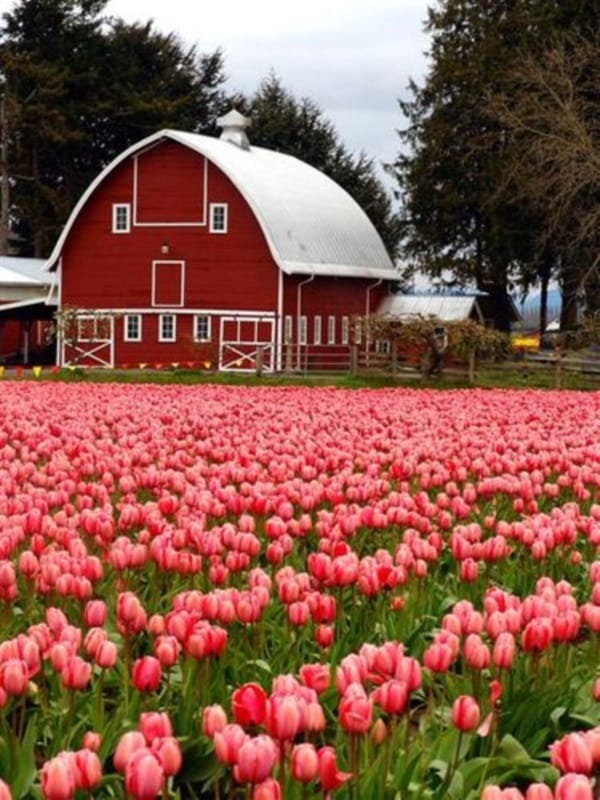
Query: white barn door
239, 342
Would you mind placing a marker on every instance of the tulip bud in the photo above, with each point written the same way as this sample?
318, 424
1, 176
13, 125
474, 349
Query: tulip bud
573, 787
58, 779
146, 674
214, 719
144, 775
305, 763
465, 713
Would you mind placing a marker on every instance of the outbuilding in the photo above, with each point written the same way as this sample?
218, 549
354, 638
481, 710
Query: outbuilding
191, 249
25, 316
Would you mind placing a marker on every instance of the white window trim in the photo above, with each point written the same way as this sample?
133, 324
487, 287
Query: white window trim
317, 329
211, 216
288, 335
162, 338
302, 330
126, 336
357, 332
345, 330
182, 285
331, 329
208, 337
115, 210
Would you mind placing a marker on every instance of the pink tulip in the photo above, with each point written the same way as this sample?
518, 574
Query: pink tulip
146, 674
465, 713
144, 775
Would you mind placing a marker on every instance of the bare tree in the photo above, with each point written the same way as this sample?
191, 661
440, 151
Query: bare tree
551, 112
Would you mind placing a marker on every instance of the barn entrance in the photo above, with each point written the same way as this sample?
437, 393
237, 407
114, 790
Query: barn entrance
88, 341
242, 338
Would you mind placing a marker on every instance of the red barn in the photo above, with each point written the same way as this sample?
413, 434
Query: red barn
189, 248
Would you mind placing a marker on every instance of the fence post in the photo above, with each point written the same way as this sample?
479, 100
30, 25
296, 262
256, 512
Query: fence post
558, 374
394, 350
288, 357
354, 360
472, 360
260, 360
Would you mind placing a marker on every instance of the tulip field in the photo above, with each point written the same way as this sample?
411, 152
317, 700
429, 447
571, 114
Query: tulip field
259, 593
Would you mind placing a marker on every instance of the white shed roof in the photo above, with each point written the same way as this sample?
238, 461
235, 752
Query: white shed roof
15, 271
449, 308
312, 226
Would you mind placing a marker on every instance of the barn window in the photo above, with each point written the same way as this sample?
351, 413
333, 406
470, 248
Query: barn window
317, 330
202, 328
121, 218
133, 328
345, 330
357, 332
302, 330
288, 333
166, 328
383, 346
93, 328
331, 330
218, 217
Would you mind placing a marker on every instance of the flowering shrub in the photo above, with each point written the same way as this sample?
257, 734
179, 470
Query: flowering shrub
210, 592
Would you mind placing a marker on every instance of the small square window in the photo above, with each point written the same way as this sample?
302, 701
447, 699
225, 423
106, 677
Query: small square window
382, 346
202, 328
133, 328
166, 328
218, 217
121, 218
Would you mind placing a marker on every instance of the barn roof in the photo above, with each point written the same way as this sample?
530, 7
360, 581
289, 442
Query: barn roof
312, 226
449, 308
16, 271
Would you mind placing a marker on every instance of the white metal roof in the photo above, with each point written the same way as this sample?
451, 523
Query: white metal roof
449, 308
41, 300
312, 226
15, 271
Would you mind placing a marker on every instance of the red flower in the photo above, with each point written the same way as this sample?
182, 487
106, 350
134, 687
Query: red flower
465, 713
249, 704
146, 674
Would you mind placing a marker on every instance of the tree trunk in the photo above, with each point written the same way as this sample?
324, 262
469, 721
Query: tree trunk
568, 311
4, 181
545, 272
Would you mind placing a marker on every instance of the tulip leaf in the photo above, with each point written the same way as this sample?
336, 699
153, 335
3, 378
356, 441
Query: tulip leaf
25, 761
513, 750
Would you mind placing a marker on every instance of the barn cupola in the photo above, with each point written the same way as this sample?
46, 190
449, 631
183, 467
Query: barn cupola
233, 128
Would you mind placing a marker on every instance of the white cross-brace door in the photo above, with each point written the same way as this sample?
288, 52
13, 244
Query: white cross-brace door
240, 339
90, 343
